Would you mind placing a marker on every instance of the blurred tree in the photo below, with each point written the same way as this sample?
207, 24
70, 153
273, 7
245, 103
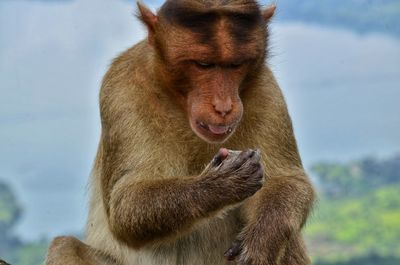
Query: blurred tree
31, 253
358, 213
356, 178
10, 213
371, 259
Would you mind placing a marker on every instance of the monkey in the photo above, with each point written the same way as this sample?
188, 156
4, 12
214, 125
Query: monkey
197, 87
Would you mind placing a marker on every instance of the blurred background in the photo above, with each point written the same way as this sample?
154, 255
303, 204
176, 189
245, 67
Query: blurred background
337, 61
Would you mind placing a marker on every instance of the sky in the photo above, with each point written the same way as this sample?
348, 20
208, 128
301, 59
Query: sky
342, 90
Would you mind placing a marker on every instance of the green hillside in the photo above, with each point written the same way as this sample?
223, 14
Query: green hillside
358, 213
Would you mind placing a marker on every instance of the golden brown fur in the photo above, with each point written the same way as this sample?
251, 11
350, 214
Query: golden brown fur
152, 203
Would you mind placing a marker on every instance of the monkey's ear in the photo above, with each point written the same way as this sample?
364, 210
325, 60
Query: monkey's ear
268, 12
149, 19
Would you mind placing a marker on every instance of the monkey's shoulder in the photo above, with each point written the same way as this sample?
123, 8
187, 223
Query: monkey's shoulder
130, 72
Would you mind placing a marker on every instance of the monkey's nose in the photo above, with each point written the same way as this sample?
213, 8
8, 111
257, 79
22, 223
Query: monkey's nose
222, 107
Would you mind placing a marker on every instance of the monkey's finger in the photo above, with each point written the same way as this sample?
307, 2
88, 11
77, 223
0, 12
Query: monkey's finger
221, 156
242, 158
233, 251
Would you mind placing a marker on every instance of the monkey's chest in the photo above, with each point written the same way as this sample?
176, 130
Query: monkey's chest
205, 245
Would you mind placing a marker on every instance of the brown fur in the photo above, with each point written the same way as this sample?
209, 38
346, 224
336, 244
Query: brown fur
152, 201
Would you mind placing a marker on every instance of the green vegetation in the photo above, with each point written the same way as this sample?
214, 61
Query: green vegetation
360, 15
357, 218
12, 249
10, 210
367, 260
357, 178
30, 254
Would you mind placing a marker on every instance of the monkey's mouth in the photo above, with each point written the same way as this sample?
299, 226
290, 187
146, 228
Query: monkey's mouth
216, 130
212, 133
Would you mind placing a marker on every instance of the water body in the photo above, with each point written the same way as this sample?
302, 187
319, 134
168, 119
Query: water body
342, 90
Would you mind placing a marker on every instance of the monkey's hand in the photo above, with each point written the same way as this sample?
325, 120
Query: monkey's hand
253, 247
238, 174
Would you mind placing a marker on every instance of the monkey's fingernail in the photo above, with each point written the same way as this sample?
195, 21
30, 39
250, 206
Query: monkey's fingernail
229, 255
252, 153
223, 152
233, 251
217, 160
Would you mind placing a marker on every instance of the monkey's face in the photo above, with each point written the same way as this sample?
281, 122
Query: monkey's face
206, 51
207, 72
212, 102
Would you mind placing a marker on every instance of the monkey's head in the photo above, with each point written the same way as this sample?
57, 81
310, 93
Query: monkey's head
206, 52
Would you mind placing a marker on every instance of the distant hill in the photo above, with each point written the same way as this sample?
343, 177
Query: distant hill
357, 218
357, 178
363, 16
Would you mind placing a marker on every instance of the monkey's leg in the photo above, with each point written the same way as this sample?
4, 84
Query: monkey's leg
296, 253
71, 251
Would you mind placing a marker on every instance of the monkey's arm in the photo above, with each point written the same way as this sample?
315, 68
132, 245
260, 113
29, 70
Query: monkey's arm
274, 217
142, 211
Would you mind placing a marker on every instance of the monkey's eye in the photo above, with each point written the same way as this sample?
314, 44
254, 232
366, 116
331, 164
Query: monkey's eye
235, 65
204, 65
